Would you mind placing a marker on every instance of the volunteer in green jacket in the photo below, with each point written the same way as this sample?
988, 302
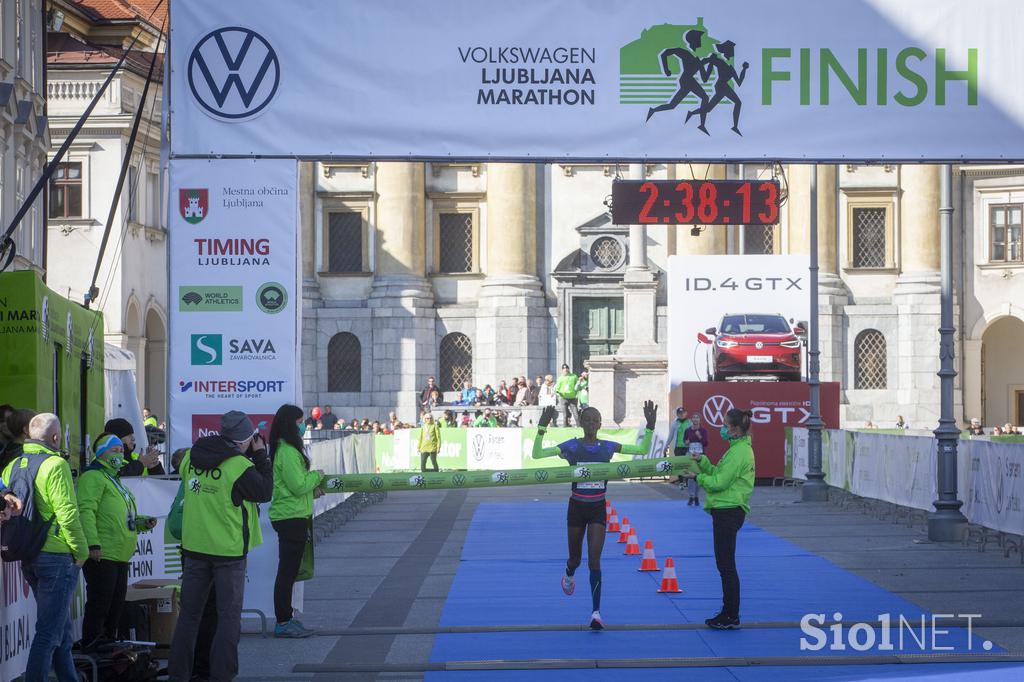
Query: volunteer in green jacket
430, 442
135, 463
225, 477
565, 389
291, 512
112, 524
53, 573
728, 485
485, 420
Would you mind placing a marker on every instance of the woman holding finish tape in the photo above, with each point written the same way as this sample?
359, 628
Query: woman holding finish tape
728, 486
291, 511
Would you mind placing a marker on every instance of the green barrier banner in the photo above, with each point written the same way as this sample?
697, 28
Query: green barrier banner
430, 480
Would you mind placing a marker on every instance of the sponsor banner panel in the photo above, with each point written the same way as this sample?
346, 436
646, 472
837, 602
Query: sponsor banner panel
775, 406
737, 317
233, 278
597, 79
994, 494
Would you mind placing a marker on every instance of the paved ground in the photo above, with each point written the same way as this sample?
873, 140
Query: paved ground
392, 567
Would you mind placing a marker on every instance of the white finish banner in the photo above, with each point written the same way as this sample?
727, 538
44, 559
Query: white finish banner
752, 302
234, 294
599, 79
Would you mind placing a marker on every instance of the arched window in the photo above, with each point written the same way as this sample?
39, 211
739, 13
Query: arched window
869, 370
456, 359
344, 364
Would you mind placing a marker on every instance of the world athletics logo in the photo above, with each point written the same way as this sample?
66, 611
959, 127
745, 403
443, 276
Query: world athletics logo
673, 64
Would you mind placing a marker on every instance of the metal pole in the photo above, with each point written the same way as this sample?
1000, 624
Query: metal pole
814, 489
946, 523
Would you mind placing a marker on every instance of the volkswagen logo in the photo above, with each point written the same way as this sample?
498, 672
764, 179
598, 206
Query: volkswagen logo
541, 475
623, 470
458, 480
376, 482
233, 73
715, 409
758, 345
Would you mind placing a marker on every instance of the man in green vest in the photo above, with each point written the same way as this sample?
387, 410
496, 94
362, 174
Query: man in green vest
148, 418
224, 477
565, 388
53, 572
135, 464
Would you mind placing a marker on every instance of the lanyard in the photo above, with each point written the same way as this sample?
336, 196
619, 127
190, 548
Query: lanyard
129, 499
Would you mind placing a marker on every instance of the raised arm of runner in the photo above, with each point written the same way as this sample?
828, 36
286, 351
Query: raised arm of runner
651, 415
539, 451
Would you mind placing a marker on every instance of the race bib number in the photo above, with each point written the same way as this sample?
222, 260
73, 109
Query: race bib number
589, 485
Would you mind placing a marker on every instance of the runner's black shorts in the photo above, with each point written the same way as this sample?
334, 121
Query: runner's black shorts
582, 514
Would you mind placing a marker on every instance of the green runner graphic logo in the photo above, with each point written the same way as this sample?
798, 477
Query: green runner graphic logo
673, 64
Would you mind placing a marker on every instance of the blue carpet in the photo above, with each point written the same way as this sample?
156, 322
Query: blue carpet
514, 555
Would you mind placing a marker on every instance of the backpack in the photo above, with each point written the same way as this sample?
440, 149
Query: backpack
119, 662
22, 537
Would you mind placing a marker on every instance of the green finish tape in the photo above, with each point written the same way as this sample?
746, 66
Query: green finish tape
440, 480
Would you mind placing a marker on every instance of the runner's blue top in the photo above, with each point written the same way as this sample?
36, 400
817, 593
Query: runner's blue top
578, 453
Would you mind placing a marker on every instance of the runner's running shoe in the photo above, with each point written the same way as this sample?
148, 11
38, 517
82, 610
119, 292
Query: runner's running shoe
568, 584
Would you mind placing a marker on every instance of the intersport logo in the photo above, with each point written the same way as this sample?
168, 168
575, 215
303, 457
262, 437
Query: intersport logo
233, 73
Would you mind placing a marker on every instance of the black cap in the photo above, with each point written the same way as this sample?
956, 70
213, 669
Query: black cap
119, 427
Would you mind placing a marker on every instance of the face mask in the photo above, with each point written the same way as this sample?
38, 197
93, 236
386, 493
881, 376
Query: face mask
724, 432
302, 429
116, 461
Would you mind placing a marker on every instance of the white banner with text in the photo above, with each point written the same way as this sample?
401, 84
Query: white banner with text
234, 296
599, 79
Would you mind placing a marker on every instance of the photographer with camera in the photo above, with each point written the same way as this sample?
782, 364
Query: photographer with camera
224, 478
112, 524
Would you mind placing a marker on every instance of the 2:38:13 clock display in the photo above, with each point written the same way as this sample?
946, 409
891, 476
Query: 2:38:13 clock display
695, 202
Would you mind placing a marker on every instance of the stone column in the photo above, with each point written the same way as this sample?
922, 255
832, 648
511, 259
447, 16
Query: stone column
917, 295
311, 298
713, 239
638, 369
832, 292
404, 345
512, 329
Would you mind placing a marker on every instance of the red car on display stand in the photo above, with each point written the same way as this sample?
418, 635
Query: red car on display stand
757, 346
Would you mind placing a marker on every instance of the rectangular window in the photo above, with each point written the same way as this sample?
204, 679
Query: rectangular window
869, 236
66, 191
1005, 233
153, 199
344, 241
455, 241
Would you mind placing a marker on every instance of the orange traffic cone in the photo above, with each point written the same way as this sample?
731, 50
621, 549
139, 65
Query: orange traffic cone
669, 583
648, 563
613, 522
624, 533
632, 544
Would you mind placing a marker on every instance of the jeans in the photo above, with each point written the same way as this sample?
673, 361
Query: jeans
692, 489
106, 583
53, 578
726, 523
228, 575
291, 545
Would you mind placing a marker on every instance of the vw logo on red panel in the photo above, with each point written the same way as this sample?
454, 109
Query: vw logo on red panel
715, 409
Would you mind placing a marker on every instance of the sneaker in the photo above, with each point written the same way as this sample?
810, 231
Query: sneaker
723, 622
568, 584
689, 502
303, 627
595, 621
290, 630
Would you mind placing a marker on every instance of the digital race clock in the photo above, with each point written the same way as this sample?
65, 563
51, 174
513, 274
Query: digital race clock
695, 202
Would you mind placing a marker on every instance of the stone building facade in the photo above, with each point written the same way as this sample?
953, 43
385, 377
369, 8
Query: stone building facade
488, 271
